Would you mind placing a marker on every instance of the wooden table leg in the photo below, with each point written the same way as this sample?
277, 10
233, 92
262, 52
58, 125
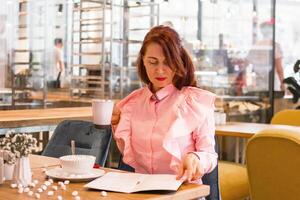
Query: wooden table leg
237, 149
244, 150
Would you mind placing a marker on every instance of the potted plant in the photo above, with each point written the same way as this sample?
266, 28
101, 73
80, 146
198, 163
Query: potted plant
20, 145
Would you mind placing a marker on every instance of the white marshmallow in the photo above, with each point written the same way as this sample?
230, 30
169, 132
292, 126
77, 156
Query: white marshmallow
66, 182
32, 185
26, 190
63, 187
20, 190
37, 195
40, 190
74, 193
59, 197
77, 198
50, 193
13, 185
104, 193
54, 187
44, 187
47, 183
30, 193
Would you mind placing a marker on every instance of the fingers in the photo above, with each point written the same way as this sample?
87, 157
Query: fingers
115, 116
197, 175
190, 169
180, 172
190, 173
185, 174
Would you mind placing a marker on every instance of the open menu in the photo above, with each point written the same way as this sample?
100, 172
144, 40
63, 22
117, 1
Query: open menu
135, 182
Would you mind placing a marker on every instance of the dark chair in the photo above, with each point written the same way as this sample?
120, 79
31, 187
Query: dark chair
89, 140
211, 179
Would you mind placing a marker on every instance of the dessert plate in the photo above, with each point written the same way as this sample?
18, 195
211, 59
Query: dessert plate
58, 173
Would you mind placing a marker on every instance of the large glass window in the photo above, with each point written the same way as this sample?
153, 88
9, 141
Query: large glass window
231, 43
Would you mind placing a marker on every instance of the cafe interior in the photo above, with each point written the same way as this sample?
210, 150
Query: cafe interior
246, 52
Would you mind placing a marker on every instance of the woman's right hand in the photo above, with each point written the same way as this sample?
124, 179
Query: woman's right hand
115, 117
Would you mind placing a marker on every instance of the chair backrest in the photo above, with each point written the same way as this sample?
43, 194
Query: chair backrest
211, 179
89, 140
287, 117
273, 164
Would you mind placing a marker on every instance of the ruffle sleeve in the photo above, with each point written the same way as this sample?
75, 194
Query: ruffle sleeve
194, 117
122, 133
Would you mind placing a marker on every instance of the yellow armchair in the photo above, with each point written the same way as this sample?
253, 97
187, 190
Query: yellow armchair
233, 181
273, 164
287, 117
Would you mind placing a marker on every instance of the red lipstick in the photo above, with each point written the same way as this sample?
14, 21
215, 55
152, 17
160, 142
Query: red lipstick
160, 78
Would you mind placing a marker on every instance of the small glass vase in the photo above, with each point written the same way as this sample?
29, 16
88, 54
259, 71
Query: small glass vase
8, 171
22, 172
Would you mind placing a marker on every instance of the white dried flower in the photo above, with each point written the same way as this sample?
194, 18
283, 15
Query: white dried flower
17, 144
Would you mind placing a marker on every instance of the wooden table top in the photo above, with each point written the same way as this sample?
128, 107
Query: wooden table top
186, 191
35, 117
247, 130
53, 116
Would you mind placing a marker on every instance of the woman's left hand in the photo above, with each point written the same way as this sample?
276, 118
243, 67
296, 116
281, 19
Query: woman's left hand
190, 168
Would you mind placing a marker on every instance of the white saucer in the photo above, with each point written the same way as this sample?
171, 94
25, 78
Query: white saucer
58, 173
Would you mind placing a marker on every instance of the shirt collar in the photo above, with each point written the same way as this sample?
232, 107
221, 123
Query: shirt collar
162, 93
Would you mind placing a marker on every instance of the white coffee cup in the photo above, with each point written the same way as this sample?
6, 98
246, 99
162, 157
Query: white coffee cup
77, 164
102, 111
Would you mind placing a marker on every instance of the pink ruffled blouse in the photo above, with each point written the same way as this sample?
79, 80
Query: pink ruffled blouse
156, 130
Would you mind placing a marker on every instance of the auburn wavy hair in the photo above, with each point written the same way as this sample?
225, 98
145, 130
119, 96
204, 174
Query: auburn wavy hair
176, 56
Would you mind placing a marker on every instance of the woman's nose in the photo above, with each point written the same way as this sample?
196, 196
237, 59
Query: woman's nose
160, 69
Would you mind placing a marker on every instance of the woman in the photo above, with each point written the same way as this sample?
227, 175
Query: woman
167, 126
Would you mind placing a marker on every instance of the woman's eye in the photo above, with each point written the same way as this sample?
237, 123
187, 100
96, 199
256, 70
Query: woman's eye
152, 62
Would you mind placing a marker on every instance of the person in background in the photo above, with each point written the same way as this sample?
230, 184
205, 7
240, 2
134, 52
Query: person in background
260, 57
167, 126
58, 60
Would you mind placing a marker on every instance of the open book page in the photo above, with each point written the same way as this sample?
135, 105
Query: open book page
115, 181
134, 182
158, 182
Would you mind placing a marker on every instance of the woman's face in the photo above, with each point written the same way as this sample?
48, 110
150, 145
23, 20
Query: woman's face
157, 69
